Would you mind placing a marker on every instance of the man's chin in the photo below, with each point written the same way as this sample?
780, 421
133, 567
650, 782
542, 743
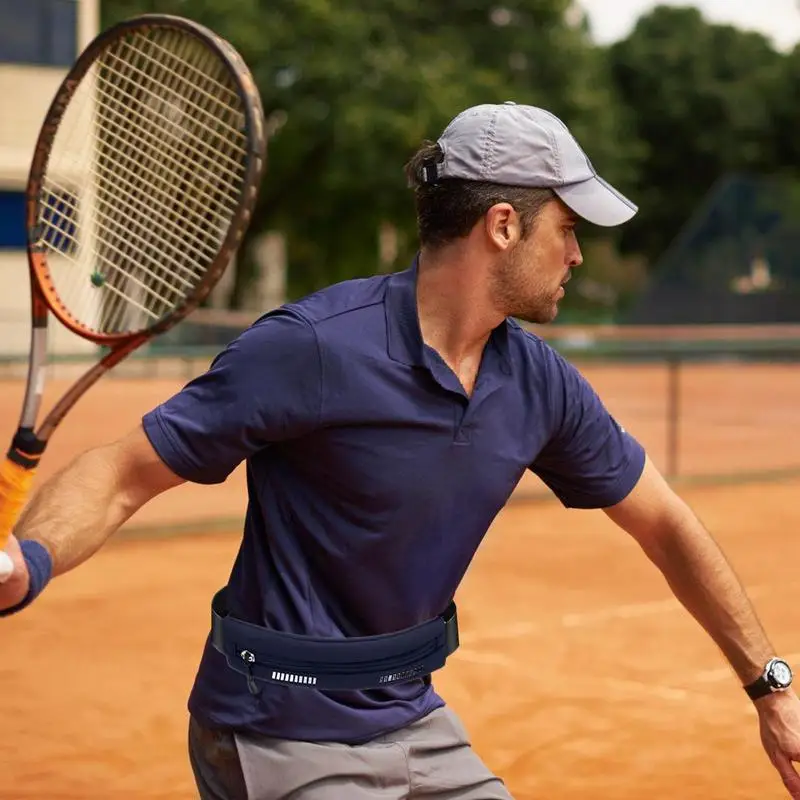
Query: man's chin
540, 317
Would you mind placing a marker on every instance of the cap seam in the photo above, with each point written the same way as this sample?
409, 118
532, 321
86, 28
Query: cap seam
556, 153
489, 147
589, 163
616, 192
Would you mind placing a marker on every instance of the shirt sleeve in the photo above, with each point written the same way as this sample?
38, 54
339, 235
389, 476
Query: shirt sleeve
590, 461
264, 387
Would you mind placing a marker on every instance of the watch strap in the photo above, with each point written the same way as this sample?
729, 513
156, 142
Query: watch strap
760, 687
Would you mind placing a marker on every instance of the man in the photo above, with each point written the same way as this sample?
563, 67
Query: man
384, 423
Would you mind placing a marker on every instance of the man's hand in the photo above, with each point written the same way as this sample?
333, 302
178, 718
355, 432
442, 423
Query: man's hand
779, 723
13, 590
73, 514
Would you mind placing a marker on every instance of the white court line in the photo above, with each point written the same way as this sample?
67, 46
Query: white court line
492, 659
515, 631
642, 689
614, 688
587, 618
625, 611
726, 673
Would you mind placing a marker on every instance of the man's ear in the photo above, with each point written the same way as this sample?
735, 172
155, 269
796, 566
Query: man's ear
502, 226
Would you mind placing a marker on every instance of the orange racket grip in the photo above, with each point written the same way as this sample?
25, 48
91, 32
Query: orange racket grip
15, 486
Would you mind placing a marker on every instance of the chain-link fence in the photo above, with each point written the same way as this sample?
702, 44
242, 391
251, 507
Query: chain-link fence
736, 261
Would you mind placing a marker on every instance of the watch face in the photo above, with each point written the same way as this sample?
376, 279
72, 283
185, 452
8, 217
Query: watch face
781, 674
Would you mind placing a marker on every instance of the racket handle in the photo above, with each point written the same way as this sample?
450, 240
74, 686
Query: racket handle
16, 480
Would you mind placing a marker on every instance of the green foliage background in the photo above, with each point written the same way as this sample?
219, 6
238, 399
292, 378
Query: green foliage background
352, 87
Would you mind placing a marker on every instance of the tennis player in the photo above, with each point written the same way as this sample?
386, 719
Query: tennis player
384, 423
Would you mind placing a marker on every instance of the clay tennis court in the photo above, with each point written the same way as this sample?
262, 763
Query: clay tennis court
578, 675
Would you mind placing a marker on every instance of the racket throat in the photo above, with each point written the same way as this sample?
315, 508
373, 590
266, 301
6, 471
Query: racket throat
37, 366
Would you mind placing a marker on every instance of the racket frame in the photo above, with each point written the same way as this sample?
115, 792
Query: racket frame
44, 298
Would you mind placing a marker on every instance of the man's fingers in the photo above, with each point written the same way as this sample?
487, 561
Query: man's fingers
788, 773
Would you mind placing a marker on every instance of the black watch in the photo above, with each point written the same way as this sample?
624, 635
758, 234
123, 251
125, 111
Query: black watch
777, 677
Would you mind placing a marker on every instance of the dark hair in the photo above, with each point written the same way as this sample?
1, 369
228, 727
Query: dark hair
449, 208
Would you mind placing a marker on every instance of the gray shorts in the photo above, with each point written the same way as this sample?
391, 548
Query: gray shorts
432, 758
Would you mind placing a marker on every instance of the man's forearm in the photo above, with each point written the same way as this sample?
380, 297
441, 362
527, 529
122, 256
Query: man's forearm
704, 582
75, 511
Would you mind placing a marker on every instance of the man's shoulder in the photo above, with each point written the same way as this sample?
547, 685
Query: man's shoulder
529, 344
337, 301
548, 359
342, 313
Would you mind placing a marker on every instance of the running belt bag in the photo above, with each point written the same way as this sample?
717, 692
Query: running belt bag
365, 662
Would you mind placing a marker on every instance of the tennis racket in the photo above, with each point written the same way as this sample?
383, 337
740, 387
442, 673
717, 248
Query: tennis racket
142, 183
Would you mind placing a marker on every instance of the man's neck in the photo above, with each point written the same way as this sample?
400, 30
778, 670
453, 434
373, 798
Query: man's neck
456, 314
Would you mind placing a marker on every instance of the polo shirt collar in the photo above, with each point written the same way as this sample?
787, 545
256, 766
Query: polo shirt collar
402, 322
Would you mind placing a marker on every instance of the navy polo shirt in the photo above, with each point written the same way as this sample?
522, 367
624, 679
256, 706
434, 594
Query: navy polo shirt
372, 479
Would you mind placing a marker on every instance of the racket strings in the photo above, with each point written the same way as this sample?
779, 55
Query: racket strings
166, 161
126, 174
205, 119
144, 178
152, 274
116, 117
136, 231
158, 201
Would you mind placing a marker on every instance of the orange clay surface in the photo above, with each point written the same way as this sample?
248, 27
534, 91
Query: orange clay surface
578, 675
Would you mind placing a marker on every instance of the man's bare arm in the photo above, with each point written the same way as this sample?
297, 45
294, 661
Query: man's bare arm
79, 508
701, 578
696, 570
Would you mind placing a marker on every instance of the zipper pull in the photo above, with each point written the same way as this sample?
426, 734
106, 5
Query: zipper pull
250, 659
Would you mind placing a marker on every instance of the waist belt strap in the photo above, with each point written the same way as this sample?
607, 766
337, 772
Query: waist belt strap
365, 662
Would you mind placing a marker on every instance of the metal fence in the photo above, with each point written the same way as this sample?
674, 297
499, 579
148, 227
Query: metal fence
737, 260
706, 411
710, 403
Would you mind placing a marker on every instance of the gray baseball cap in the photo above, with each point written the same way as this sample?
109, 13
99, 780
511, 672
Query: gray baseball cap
523, 145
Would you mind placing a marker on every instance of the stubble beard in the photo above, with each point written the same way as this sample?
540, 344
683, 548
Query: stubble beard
520, 293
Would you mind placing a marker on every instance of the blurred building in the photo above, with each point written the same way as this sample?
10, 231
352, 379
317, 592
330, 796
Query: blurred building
39, 41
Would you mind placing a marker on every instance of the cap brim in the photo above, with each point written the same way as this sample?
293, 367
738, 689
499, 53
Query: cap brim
597, 202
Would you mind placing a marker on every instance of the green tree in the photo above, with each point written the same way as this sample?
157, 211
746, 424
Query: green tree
786, 117
351, 89
702, 97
